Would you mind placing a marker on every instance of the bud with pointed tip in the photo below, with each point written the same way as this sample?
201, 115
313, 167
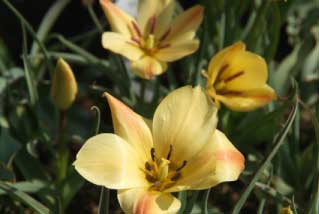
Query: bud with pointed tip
64, 86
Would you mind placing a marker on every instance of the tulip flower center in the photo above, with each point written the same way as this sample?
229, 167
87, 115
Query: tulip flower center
149, 42
161, 173
222, 80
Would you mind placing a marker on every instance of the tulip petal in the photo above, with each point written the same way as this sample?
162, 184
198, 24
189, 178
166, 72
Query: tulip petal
248, 100
185, 119
217, 63
121, 44
177, 51
147, 67
118, 19
186, 22
140, 201
163, 11
131, 127
245, 71
108, 160
219, 161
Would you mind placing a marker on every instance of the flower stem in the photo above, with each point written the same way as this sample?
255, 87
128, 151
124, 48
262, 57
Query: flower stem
63, 154
94, 18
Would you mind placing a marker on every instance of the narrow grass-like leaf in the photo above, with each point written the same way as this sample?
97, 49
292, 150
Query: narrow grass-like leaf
104, 201
205, 202
33, 92
190, 203
24, 198
47, 23
31, 31
94, 18
182, 196
278, 141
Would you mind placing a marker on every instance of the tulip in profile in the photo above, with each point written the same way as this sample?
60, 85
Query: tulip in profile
153, 38
180, 150
237, 78
64, 86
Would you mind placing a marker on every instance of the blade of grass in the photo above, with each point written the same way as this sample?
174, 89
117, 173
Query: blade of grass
33, 93
314, 202
94, 18
205, 202
182, 196
31, 31
105, 193
190, 204
279, 139
24, 198
47, 23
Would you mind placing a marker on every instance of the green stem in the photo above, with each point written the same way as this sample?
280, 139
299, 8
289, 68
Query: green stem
142, 90
31, 31
105, 193
63, 155
47, 23
205, 203
191, 202
197, 72
94, 18
278, 142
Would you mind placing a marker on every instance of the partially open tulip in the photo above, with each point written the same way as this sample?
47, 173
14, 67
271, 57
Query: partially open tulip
153, 38
64, 86
237, 78
181, 150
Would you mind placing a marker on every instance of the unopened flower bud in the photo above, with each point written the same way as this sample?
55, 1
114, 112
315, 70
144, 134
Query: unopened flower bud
64, 86
286, 210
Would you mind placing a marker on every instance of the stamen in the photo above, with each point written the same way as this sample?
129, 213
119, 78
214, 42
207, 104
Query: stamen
229, 92
153, 154
222, 69
137, 29
234, 76
176, 177
164, 36
153, 23
169, 152
136, 41
182, 166
148, 166
163, 46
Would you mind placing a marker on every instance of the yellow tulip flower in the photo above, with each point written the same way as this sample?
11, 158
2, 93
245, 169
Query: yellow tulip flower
180, 149
237, 78
153, 38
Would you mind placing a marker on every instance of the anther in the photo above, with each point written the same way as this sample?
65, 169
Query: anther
153, 23
136, 40
153, 154
164, 36
234, 76
169, 152
223, 68
137, 29
148, 166
163, 46
176, 177
182, 166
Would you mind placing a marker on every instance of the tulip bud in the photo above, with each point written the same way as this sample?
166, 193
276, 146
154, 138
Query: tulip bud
286, 210
64, 86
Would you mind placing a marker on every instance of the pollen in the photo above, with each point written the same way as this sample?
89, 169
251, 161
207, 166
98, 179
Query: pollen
161, 173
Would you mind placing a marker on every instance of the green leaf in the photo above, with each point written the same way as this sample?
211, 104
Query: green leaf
278, 141
33, 186
8, 146
24, 198
70, 186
